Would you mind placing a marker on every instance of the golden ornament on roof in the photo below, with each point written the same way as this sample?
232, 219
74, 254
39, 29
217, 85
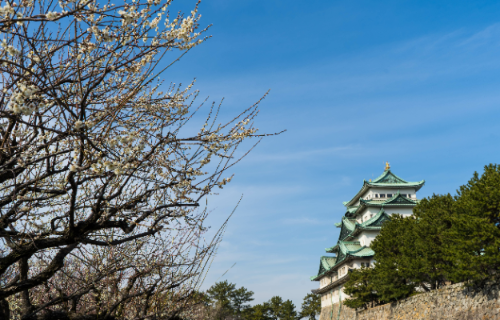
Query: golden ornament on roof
387, 166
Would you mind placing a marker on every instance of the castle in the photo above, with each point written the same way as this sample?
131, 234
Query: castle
365, 213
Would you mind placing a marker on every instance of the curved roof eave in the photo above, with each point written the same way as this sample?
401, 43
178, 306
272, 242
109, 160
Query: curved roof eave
351, 202
417, 185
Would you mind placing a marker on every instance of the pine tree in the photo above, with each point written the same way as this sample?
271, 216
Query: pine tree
390, 246
430, 261
288, 311
275, 306
311, 306
477, 229
361, 288
220, 294
239, 298
257, 312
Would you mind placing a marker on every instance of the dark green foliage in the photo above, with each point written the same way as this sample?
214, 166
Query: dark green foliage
228, 300
410, 252
478, 203
311, 306
220, 294
431, 261
288, 311
239, 298
275, 305
391, 264
257, 312
448, 239
281, 310
231, 303
274, 309
361, 286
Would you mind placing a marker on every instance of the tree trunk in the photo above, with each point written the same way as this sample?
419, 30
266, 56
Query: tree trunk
26, 306
4, 309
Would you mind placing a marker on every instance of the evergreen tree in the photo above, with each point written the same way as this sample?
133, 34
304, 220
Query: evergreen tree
477, 229
288, 311
275, 307
281, 310
239, 298
220, 294
228, 301
429, 259
410, 252
311, 306
360, 286
390, 246
257, 312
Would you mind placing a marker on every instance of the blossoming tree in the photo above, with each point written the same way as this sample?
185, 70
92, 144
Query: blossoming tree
100, 178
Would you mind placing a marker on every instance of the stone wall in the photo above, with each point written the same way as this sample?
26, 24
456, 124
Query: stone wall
450, 303
332, 313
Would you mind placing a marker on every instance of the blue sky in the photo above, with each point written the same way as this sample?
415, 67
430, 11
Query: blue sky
355, 83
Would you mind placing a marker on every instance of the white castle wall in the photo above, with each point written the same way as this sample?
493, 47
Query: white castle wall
365, 238
372, 191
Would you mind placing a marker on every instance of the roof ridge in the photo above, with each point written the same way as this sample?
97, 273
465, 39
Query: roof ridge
399, 196
372, 219
386, 173
349, 242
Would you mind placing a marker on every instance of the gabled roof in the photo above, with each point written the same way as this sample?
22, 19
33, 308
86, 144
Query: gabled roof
345, 250
395, 200
385, 180
388, 177
346, 226
351, 228
325, 264
352, 209
376, 221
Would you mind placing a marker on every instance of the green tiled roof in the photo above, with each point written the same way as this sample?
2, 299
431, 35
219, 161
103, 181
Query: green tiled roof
344, 249
349, 224
389, 177
387, 180
365, 252
332, 249
351, 228
396, 200
352, 209
325, 264
353, 248
375, 221
350, 246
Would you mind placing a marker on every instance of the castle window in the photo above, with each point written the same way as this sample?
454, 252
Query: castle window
382, 195
376, 195
389, 195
